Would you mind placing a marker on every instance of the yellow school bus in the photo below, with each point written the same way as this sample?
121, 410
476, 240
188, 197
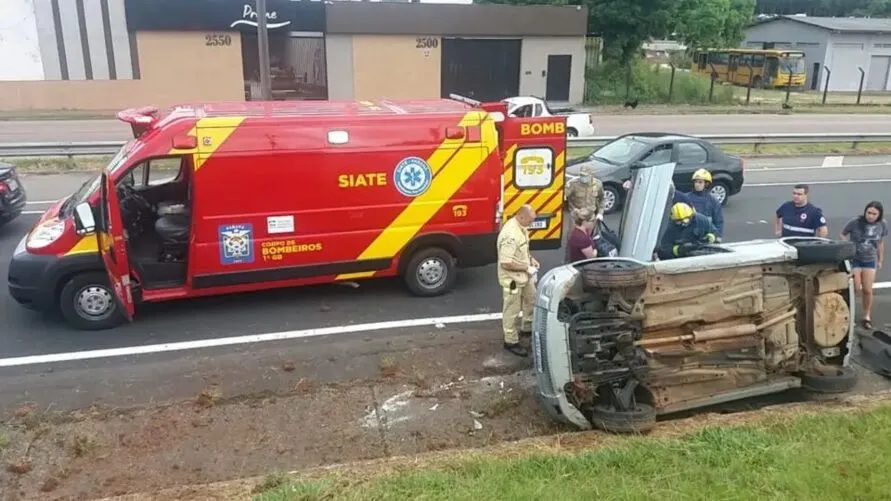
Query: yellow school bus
770, 67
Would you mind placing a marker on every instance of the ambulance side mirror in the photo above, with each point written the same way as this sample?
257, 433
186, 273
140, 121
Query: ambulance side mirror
83, 219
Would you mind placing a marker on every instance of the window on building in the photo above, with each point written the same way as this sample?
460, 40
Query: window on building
297, 67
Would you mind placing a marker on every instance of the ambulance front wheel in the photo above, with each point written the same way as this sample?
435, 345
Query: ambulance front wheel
430, 272
88, 303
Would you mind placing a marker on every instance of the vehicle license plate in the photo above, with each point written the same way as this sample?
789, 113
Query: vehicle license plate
539, 224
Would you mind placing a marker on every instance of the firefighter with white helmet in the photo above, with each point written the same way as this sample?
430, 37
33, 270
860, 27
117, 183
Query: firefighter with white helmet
688, 230
704, 202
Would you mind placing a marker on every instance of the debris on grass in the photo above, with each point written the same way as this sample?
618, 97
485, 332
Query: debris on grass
270, 482
83, 444
389, 367
209, 396
19, 467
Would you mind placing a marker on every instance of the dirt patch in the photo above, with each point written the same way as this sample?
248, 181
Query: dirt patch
415, 405
559, 443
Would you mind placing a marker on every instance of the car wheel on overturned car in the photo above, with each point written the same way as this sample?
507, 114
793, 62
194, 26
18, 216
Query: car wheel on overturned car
822, 251
607, 274
829, 379
642, 418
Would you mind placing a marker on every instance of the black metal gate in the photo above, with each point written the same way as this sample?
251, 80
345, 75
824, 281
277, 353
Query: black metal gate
482, 69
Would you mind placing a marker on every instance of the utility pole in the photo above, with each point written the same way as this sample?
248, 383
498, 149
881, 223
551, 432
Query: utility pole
263, 44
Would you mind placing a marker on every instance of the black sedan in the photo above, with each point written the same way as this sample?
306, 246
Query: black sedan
612, 164
12, 194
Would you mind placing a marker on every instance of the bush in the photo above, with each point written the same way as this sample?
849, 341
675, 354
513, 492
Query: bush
606, 84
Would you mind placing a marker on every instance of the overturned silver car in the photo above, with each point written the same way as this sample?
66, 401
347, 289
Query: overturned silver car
618, 341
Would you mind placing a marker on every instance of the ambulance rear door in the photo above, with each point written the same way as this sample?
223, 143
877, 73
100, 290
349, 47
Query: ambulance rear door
534, 154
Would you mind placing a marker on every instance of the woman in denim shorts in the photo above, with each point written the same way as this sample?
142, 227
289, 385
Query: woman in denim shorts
868, 234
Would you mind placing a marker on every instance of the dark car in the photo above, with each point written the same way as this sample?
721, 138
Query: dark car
612, 164
12, 194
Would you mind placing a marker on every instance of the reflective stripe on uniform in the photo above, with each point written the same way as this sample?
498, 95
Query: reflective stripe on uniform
798, 229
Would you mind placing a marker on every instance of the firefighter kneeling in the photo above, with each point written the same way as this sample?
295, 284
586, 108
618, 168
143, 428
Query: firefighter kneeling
687, 231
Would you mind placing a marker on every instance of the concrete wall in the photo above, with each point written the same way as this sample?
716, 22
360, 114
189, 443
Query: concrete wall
175, 67
339, 61
534, 61
392, 66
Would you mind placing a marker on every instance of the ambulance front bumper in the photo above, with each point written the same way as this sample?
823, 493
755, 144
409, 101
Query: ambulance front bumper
33, 278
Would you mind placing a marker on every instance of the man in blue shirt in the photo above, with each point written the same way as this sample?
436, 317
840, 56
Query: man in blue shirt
702, 200
687, 230
800, 218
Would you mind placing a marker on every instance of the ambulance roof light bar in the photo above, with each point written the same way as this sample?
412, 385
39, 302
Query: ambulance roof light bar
140, 119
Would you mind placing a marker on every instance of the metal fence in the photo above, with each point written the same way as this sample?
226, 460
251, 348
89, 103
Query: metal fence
107, 148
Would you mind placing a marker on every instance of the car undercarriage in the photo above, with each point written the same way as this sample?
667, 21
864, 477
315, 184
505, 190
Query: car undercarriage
618, 341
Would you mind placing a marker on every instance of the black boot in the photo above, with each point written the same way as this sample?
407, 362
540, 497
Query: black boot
517, 349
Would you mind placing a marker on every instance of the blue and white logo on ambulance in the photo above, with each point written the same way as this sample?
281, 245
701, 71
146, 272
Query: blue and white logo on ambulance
236, 243
412, 176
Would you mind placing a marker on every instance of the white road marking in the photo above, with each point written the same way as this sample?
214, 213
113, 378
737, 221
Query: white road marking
255, 338
833, 162
41, 202
33, 211
813, 167
811, 183
262, 338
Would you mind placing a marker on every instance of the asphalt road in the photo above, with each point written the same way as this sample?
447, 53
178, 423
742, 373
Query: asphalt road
606, 125
841, 192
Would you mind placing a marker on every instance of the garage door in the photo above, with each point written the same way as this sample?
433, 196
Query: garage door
483, 69
878, 73
845, 75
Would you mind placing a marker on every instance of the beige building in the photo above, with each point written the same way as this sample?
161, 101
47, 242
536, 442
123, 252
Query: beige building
123, 53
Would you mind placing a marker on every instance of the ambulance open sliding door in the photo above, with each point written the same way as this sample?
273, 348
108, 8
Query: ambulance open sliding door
535, 155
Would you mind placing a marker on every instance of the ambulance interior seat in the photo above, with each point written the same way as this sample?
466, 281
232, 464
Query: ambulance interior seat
158, 222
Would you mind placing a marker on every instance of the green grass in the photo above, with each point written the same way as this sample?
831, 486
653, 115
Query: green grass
840, 456
650, 84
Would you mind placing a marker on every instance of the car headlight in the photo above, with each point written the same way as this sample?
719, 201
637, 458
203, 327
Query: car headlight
46, 233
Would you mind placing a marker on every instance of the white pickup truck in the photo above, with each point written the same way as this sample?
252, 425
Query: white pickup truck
577, 124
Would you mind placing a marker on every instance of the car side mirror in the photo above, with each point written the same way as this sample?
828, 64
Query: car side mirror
83, 219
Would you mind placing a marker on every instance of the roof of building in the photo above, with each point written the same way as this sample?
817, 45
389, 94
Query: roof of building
839, 24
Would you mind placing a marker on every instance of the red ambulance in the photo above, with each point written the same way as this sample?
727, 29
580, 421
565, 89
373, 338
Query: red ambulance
233, 197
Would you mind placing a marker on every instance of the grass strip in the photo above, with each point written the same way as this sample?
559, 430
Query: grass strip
836, 456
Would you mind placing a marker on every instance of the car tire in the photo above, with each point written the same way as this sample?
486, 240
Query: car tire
613, 274
608, 419
613, 193
571, 132
722, 186
87, 302
829, 379
430, 272
813, 251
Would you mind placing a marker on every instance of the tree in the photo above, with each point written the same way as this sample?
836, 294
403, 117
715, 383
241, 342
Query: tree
712, 23
626, 24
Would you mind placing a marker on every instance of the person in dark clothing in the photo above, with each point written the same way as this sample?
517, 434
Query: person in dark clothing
687, 230
868, 233
800, 218
702, 200
580, 244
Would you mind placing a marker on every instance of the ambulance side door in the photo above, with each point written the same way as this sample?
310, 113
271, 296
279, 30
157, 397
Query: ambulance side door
534, 152
113, 246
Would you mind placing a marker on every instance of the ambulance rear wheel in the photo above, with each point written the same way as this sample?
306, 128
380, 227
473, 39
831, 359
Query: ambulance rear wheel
87, 302
430, 272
